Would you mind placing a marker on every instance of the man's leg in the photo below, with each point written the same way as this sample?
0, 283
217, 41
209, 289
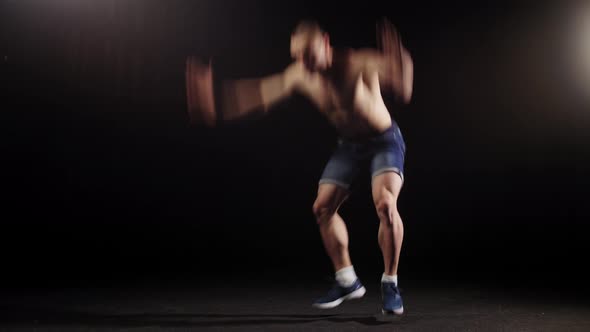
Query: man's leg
335, 239
332, 227
386, 188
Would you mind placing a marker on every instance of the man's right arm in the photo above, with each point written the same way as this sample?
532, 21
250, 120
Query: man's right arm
236, 98
244, 96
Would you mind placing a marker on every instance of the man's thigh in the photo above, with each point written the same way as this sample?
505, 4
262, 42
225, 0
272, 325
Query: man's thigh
386, 183
343, 166
329, 198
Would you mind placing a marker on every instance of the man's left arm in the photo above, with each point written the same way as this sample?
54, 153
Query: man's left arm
396, 74
407, 85
393, 62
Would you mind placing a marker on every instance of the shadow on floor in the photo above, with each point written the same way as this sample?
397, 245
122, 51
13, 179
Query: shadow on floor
27, 316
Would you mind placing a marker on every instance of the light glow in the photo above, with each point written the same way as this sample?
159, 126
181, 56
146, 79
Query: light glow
580, 50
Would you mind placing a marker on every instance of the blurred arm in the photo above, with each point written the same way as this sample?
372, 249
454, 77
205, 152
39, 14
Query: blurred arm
233, 98
399, 80
243, 96
393, 62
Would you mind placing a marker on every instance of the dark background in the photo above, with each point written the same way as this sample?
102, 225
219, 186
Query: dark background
103, 179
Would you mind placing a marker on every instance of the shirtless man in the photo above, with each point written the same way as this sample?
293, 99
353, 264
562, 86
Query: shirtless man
346, 85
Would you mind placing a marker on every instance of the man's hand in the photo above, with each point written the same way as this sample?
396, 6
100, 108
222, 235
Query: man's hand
199, 92
398, 63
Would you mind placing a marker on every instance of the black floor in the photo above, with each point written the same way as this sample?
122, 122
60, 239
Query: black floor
246, 305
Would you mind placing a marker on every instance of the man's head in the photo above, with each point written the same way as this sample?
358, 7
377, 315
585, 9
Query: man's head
311, 44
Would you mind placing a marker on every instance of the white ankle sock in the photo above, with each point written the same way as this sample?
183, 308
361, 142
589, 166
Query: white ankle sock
346, 276
388, 278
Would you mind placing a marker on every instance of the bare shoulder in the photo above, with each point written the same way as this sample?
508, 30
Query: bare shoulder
370, 57
366, 60
295, 68
365, 56
295, 75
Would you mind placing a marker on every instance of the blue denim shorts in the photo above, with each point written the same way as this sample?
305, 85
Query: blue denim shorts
384, 153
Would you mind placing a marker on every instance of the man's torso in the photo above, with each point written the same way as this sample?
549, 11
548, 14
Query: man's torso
346, 96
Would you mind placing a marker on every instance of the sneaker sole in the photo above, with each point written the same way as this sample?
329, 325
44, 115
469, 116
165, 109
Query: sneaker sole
357, 294
399, 311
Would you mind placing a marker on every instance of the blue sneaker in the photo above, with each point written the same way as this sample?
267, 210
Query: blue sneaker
392, 300
338, 294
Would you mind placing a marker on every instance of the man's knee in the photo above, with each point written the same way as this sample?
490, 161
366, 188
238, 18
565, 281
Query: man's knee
386, 207
323, 211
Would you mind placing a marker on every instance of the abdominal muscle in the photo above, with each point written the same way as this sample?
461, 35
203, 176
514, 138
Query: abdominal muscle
360, 122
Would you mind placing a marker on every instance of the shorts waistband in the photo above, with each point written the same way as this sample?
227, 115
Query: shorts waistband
389, 132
